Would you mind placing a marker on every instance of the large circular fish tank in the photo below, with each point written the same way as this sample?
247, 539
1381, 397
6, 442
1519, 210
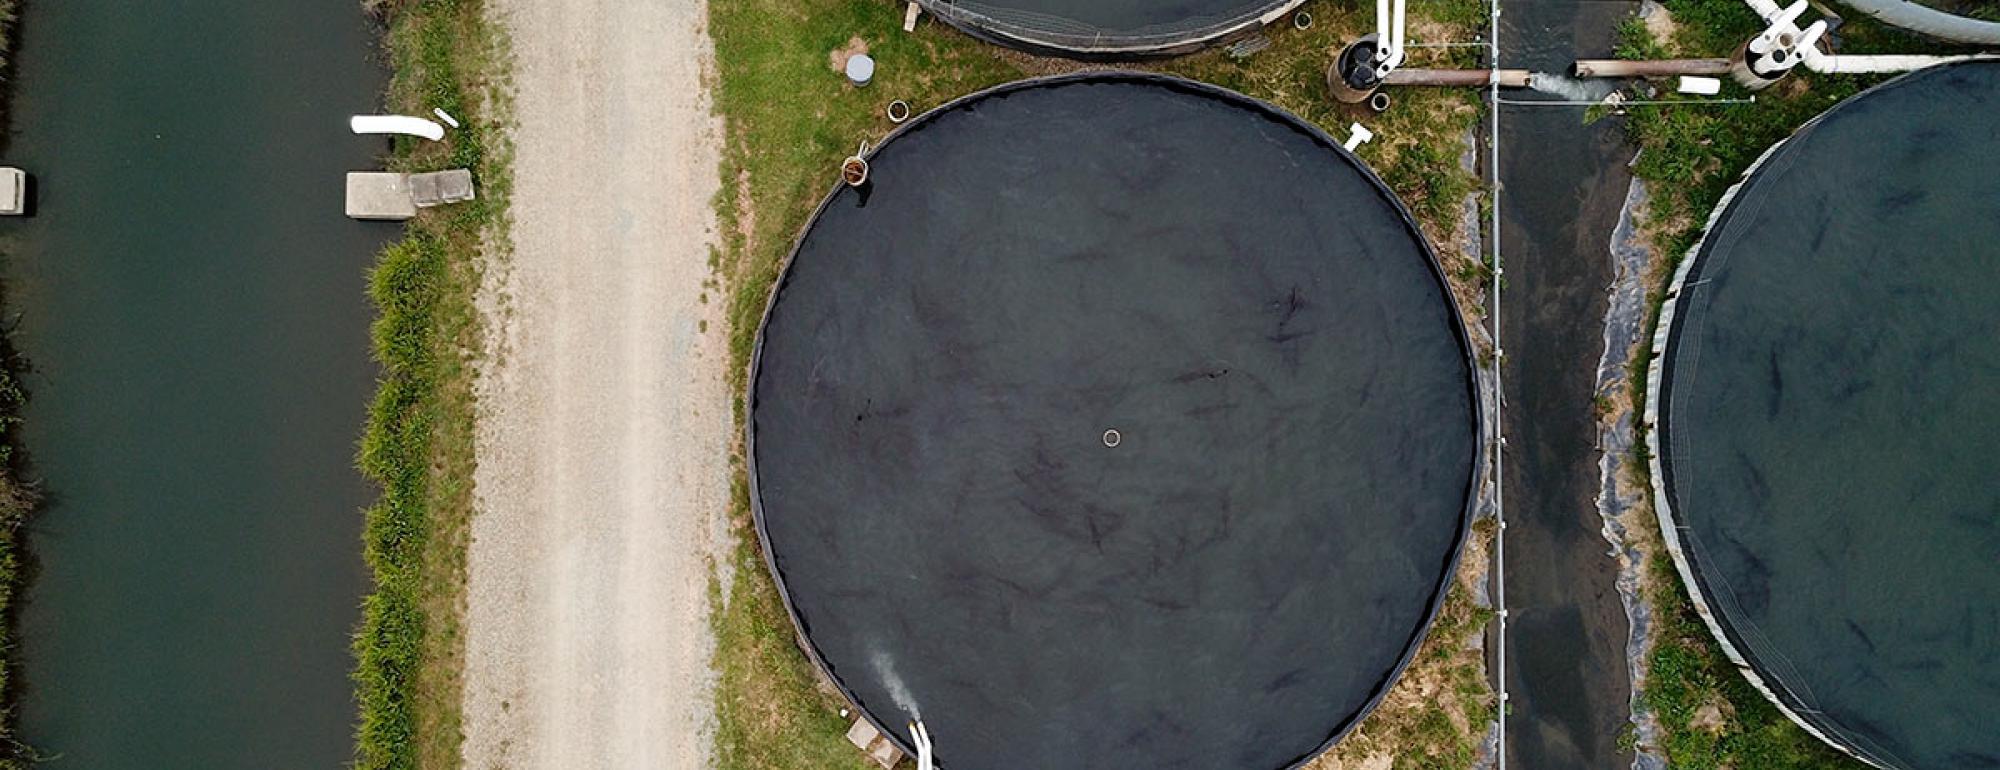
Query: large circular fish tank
1099, 29
1826, 395
1116, 421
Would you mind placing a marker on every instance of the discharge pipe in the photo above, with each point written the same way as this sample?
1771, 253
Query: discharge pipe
922, 738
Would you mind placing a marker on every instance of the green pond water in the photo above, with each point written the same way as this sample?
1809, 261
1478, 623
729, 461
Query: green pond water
190, 298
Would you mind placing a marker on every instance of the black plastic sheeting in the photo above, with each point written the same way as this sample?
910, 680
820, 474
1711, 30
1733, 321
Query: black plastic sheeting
1831, 420
1235, 583
1104, 28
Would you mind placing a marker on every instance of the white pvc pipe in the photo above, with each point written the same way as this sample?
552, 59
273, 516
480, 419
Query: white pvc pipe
1925, 20
1390, 25
1816, 61
1382, 41
1396, 48
1359, 135
1381, 31
1765, 9
1782, 44
395, 124
922, 738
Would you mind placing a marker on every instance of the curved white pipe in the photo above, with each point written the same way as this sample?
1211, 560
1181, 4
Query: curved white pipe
922, 738
395, 124
1930, 21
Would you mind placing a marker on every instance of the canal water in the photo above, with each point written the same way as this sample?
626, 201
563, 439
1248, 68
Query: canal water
190, 298
1563, 182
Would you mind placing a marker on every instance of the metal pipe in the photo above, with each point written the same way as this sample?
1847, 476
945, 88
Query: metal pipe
1617, 68
1499, 580
1426, 77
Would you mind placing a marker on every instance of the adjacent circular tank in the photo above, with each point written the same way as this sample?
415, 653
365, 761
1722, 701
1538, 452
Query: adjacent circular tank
1115, 421
1826, 397
1107, 29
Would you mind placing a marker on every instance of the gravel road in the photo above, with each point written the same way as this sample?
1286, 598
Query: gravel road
603, 416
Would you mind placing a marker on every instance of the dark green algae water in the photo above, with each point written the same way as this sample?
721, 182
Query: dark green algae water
190, 298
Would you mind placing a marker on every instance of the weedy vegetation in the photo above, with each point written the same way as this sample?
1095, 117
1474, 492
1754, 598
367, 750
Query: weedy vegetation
418, 442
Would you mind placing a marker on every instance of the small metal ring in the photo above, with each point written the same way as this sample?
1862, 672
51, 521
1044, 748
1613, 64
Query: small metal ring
1378, 102
1112, 437
1302, 20
899, 111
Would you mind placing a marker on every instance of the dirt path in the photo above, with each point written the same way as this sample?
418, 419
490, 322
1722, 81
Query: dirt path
603, 418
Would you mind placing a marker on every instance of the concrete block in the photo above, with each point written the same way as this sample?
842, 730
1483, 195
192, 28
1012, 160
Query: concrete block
440, 187
874, 744
379, 195
863, 734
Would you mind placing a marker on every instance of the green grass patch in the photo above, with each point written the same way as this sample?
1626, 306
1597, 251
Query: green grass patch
418, 441
791, 117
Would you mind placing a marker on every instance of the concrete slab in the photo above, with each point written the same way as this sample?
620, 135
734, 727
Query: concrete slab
379, 195
874, 744
863, 734
13, 191
440, 187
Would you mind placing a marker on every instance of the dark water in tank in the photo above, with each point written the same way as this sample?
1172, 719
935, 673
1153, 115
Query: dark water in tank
1230, 584
1833, 419
191, 299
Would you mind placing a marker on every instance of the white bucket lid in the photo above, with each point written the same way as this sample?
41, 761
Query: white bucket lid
860, 68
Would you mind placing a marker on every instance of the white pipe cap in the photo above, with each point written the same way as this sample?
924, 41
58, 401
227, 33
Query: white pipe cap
1700, 85
860, 69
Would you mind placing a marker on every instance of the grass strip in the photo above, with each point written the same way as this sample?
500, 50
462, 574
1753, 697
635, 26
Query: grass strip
18, 500
18, 497
790, 118
408, 649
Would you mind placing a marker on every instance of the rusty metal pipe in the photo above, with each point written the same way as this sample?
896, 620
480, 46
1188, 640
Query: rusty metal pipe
1423, 77
1619, 68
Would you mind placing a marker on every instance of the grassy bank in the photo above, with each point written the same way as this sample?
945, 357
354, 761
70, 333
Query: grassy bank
1709, 715
790, 118
418, 444
18, 497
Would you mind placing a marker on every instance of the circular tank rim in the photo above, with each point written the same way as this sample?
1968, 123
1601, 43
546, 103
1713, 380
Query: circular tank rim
1482, 437
1666, 338
1104, 47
